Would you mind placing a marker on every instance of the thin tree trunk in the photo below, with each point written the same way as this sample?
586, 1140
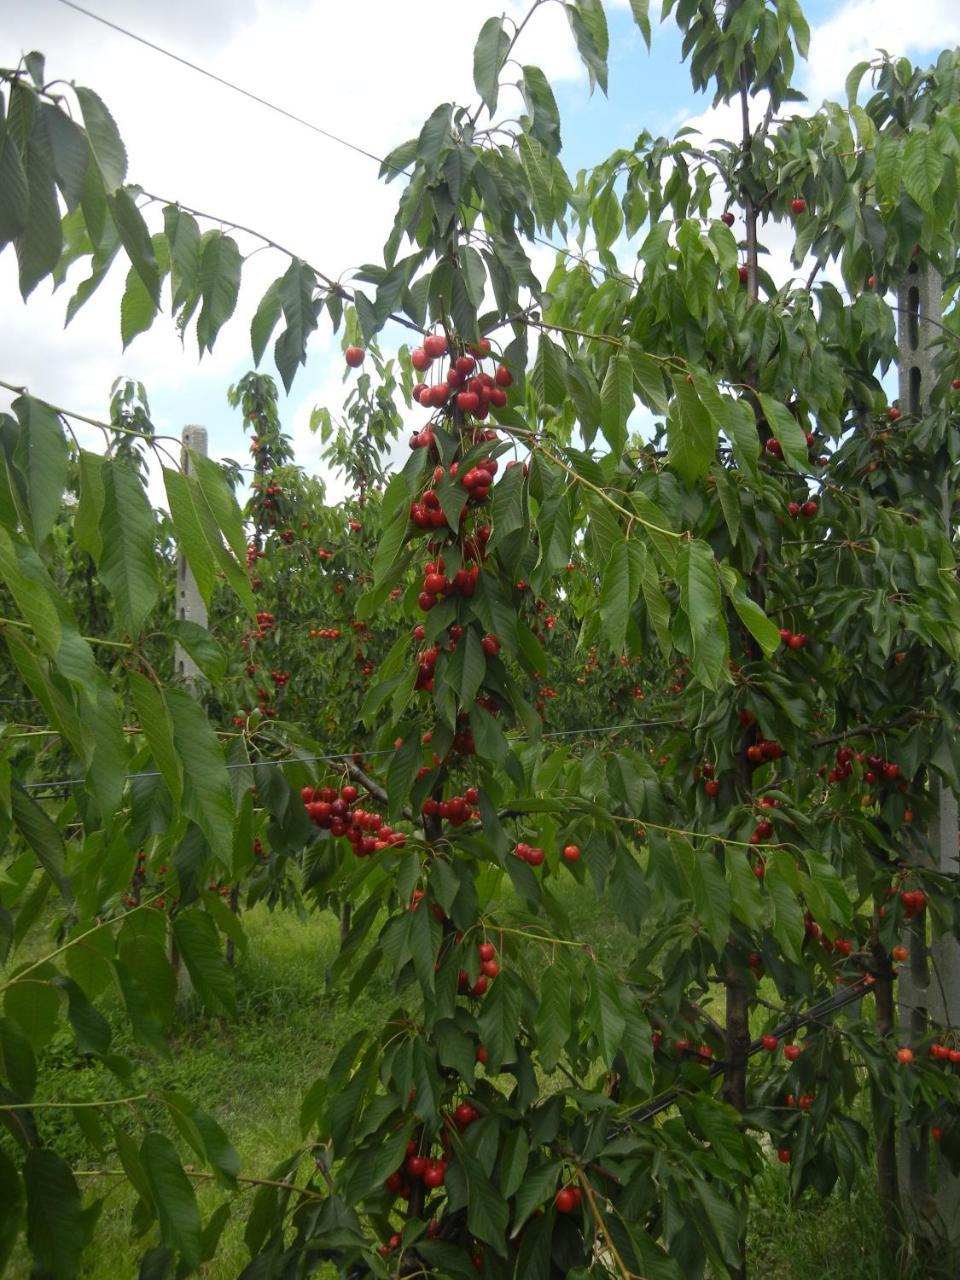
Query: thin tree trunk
884, 1119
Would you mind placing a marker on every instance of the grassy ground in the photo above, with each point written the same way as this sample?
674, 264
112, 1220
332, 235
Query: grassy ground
251, 1075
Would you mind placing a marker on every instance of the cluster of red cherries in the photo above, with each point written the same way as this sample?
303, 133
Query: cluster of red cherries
878, 769
335, 811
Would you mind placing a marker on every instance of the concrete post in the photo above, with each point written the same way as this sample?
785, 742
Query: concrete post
190, 605
930, 982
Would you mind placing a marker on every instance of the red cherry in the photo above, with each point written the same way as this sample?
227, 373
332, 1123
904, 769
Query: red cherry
490, 645
727, 218
955, 384
794, 509
420, 359
468, 401
809, 509
465, 364
791, 1052
354, 356
465, 1114
435, 344
504, 378
433, 1175
784, 1155
490, 968
535, 857
894, 414
798, 206
743, 274
712, 787
798, 641
348, 793
486, 950
904, 1055
565, 1200
769, 1043
571, 853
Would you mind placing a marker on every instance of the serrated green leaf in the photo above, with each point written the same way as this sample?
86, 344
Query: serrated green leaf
58, 1227
41, 456
173, 1197
199, 944
128, 562
488, 55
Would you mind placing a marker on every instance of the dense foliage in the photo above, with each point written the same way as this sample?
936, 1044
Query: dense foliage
758, 593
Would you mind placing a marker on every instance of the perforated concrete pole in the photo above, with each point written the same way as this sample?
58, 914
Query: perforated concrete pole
929, 983
190, 605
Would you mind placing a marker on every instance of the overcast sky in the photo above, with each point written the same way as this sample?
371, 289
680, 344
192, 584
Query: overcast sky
368, 70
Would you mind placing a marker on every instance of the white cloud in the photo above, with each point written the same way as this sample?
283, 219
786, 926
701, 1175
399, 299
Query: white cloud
862, 27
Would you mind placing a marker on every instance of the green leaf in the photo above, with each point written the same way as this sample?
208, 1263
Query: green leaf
219, 497
488, 55
549, 372
749, 612
487, 1212
787, 912
198, 941
41, 456
542, 107
207, 798
218, 280
605, 1013
509, 507
788, 431
641, 14
157, 725
173, 1197
537, 1187
297, 290
553, 1016
183, 239
89, 1025
691, 432
265, 320
128, 563
137, 309
135, 238
189, 532
649, 379
14, 190
740, 428
513, 1160
499, 1020
434, 136
889, 166
923, 167
699, 585
711, 896
39, 245
616, 597
745, 893
201, 646
616, 401
19, 1061
58, 1227
42, 837
401, 772
34, 1005
104, 138
589, 26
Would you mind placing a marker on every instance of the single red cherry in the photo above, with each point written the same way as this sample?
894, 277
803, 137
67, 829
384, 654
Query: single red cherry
727, 218
565, 1200
769, 1043
798, 206
354, 356
571, 853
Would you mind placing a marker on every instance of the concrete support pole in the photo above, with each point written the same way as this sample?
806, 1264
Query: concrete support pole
190, 605
930, 982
